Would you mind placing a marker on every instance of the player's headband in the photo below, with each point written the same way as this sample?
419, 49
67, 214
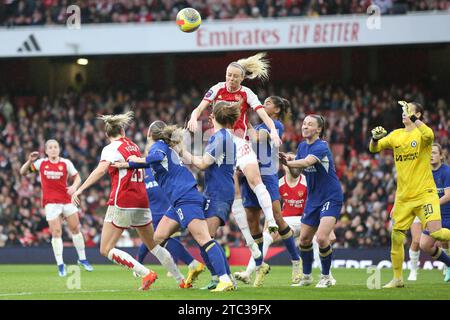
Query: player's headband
237, 65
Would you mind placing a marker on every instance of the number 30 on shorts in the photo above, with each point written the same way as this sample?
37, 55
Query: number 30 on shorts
428, 209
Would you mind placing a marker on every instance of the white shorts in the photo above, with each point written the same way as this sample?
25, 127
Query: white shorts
54, 210
244, 153
417, 220
126, 218
294, 223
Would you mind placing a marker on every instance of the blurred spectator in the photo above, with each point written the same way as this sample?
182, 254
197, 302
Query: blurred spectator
39, 12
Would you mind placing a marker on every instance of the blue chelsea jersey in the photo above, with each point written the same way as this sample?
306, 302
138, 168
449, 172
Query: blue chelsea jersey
323, 184
156, 197
442, 179
174, 179
219, 182
267, 159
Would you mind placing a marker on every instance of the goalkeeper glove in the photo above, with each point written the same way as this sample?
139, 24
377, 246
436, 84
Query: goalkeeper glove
378, 133
406, 107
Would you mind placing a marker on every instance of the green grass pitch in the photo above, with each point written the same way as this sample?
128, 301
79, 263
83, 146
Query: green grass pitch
41, 282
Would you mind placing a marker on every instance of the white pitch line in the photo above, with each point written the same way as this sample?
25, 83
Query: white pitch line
59, 292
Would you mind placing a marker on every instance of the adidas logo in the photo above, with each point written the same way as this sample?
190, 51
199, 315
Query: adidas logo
29, 45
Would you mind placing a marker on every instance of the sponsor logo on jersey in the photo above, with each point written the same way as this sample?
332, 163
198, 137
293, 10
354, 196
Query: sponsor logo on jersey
311, 169
53, 175
407, 157
132, 148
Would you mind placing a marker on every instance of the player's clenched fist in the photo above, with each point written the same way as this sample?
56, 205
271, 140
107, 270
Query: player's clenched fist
378, 133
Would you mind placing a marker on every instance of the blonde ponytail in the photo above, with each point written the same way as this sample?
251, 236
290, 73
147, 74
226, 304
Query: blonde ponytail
255, 66
115, 123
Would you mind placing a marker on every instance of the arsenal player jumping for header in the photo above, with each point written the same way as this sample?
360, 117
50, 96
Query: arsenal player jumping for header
231, 90
54, 172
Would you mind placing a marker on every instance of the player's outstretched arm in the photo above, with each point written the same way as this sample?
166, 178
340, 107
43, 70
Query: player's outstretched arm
26, 167
95, 175
201, 162
271, 125
377, 134
192, 123
302, 163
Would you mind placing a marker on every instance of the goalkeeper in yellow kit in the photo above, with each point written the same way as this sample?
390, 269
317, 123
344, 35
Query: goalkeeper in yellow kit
416, 193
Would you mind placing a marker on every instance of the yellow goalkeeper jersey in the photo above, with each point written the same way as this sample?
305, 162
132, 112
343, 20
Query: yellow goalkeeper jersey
412, 155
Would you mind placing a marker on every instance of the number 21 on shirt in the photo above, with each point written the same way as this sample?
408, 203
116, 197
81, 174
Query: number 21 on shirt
138, 175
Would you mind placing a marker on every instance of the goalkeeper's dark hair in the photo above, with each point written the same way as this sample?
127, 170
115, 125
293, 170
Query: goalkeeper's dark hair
283, 104
419, 108
159, 130
321, 123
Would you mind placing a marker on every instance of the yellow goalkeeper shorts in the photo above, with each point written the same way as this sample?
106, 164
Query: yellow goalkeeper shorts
426, 209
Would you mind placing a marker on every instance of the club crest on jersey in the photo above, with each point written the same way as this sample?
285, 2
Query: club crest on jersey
300, 194
60, 167
414, 143
237, 97
46, 167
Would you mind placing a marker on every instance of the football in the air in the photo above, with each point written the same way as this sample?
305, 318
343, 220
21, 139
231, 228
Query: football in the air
188, 20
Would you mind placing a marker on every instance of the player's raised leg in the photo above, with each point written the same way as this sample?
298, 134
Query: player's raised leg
446, 270
73, 223
428, 244
252, 173
109, 238
240, 217
146, 233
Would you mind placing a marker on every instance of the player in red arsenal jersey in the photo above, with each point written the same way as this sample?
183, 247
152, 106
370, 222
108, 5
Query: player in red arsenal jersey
231, 90
128, 203
54, 172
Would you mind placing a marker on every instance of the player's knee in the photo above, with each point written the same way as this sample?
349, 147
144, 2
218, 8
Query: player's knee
398, 237
415, 244
75, 230
323, 240
56, 232
254, 180
305, 240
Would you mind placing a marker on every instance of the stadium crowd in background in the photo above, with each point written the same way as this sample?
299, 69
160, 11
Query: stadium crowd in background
368, 182
51, 12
